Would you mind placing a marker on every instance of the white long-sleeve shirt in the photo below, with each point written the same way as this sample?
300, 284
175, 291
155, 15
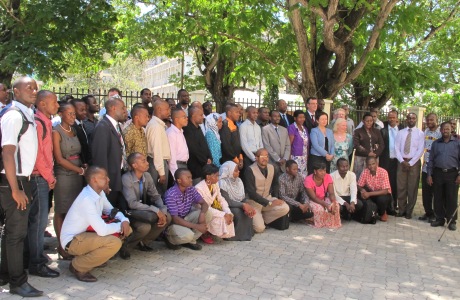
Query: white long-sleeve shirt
345, 186
86, 211
417, 145
251, 138
157, 143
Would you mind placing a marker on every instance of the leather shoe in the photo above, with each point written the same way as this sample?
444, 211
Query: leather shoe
384, 218
408, 216
4, 282
452, 226
44, 271
85, 277
192, 246
425, 217
143, 247
125, 254
171, 246
437, 223
391, 212
400, 215
25, 290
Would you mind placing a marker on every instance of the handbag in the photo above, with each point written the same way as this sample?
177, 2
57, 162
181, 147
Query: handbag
144, 216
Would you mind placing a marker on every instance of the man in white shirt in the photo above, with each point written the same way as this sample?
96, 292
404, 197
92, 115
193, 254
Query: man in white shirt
158, 149
177, 142
92, 248
250, 136
20, 146
346, 189
409, 147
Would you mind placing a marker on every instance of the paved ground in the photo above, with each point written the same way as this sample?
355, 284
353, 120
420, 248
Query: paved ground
401, 259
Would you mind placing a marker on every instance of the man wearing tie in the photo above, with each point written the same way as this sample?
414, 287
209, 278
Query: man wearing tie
409, 147
310, 119
276, 140
80, 114
285, 120
108, 148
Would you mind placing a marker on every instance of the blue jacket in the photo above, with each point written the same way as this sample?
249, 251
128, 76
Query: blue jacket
318, 141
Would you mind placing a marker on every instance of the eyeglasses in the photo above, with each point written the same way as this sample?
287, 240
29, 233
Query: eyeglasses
263, 156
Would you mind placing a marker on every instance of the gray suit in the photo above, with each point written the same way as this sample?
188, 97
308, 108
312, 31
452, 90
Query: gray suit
277, 144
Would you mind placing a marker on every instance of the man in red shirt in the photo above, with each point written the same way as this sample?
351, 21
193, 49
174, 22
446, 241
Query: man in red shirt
42, 181
374, 185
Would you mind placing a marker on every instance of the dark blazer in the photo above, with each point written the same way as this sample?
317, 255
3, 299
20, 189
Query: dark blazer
309, 123
385, 156
107, 152
231, 143
283, 122
198, 149
84, 142
361, 142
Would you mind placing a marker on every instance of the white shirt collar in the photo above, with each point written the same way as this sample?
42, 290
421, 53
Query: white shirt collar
112, 120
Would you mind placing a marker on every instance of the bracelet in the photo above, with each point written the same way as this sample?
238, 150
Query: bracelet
82, 172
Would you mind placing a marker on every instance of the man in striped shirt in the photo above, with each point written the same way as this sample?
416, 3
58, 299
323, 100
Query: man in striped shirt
188, 224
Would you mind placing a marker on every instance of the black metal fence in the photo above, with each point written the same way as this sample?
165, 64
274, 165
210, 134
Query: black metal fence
133, 97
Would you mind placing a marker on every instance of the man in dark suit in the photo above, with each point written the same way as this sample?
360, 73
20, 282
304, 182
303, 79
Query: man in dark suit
108, 148
199, 154
310, 115
80, 114
388, 160
281, 107
183, 97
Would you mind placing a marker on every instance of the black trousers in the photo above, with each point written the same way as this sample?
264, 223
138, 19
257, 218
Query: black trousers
445, 194
16, 222
427, 195
382, 202
392, 171
296, 214
343, 210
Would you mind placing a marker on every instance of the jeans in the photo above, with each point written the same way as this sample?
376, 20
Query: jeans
38, 220
12, 264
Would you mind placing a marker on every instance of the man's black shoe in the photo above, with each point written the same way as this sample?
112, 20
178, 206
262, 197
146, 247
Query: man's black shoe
171, 246
4, 282
391, 212
399, 215
44, 271
437, 223
192, 246
431, 219
452, 226
124, 254
407, 216
25, 290
425, 217
143, 247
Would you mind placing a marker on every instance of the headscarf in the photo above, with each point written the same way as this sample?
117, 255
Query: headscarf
233, 186
211, 124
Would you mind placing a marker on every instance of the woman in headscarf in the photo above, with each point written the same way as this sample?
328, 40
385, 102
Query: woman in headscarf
213, 125
221, 224
232, 189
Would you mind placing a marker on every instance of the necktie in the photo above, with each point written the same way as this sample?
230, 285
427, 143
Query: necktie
276, 129
286, 120
141, 190
407, 142
313, 118
124, 161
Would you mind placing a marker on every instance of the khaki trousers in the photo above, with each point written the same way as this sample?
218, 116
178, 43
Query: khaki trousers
145, 232
91, 250
407, 184
266, 214
178, 235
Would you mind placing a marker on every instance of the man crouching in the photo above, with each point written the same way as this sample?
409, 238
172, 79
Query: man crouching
92, 249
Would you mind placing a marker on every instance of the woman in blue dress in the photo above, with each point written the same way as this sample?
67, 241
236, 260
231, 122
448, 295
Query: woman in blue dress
213, 125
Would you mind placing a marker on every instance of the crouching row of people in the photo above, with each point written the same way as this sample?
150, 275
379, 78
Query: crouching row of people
220, 205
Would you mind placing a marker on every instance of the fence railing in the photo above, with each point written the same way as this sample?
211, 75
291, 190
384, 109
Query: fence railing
133, 97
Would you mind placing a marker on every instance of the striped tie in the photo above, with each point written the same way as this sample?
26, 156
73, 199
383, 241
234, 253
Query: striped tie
407, 143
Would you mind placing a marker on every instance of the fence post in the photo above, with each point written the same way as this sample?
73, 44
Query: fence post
420, 112
328, 103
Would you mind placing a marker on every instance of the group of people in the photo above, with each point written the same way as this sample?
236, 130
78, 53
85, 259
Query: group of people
182, 173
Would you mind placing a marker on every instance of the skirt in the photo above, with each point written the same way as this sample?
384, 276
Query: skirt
325, 219
242, 224
67, 189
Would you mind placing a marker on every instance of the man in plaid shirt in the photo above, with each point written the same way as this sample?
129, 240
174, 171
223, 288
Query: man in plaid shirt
374, 185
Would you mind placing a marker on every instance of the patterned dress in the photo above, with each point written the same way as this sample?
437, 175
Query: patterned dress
342, 149
302, 160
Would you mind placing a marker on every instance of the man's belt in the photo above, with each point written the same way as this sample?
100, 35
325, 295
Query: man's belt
20, 178
181, 162
446, 170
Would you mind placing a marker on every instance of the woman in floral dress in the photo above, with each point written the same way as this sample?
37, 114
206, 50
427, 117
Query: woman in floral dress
298, 135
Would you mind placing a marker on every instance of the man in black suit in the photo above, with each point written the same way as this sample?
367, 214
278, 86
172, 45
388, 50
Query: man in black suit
108, 148
183, 97
286, 119
80, 114
388, 160
310, 115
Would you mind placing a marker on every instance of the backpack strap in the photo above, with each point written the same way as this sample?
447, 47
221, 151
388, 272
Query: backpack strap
43, 125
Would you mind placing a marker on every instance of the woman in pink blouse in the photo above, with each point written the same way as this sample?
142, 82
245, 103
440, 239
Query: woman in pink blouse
320, 190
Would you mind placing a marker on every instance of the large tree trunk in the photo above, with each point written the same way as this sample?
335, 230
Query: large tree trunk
365, 99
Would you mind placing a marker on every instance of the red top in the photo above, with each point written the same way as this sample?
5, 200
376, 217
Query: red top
375, 183
44, 164
321, 190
